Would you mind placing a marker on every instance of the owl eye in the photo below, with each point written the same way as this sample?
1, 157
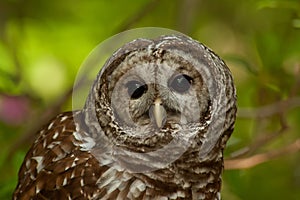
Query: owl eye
180, 83
136, 89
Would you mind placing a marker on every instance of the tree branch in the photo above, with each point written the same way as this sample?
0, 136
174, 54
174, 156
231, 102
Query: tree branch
147, 8
269, 110
245, 163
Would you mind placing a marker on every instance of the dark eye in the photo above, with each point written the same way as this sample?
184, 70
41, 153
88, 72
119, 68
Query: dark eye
136, 89
180, 83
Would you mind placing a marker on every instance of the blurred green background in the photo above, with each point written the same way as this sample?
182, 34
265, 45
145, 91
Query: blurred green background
43, 44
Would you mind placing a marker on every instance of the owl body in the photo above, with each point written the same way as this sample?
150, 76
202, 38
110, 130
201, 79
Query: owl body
154, 126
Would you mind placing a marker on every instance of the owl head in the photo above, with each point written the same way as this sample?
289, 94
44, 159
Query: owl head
155, 100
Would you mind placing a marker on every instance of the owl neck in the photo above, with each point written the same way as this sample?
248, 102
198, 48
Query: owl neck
196, 179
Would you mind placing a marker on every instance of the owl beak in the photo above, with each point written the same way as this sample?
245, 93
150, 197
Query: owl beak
158, 112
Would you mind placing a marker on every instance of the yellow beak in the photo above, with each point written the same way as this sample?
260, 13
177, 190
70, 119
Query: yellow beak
159, 113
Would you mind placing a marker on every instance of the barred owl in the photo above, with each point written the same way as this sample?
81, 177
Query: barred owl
154, 126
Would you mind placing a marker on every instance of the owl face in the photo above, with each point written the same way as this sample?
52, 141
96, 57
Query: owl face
156, 92
153, 93
164, 97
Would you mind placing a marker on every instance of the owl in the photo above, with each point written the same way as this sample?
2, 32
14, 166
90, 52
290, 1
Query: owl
154, 126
